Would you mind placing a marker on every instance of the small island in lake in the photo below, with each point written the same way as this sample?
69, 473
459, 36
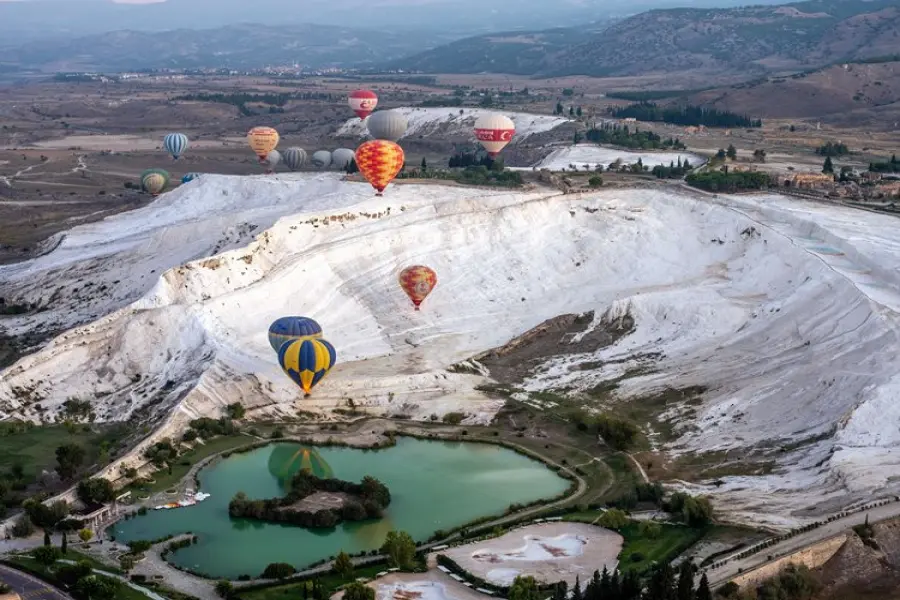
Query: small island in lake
316, 502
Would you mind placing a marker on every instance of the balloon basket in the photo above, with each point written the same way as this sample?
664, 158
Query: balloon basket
417, 307
307, 395
379, 194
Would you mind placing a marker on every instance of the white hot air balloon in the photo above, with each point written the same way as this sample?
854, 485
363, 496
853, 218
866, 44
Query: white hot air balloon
494, 132
294, 158
388, 125
271, 160
342, 157
321, 159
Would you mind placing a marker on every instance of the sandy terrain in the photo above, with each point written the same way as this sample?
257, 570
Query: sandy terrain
549, 551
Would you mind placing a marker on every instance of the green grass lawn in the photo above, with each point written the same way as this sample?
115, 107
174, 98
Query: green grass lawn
292, 591
165, 480
78, 556
587, 516
672, 541
34, 448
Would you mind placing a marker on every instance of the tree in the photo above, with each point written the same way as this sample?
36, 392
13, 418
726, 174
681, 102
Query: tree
828, 167
662, 583
559, 108
47, 541
524, 588
68, 458
400, 550
278, 571
46, 555
343, 565
703, 592
613, 519
126, 562
595, 181
720, 154
236, 410
686, 581
97, 587
731, 153
64, 546
23, 527
358, 591
352, 167
224, 588
578, 111
650, 529
759, 154
96, 490
85, 535
424, 163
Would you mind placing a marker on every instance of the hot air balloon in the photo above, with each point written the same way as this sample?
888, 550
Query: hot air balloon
379, 161
494, 132
271, 160
154, 181
288, 329
321, 159
342, 157
417, 281
190, 177
294, 158
175, 144
262, 140
363, 102
388, 125
307, 361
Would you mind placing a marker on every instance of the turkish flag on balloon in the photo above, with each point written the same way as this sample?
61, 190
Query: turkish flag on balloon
494, 132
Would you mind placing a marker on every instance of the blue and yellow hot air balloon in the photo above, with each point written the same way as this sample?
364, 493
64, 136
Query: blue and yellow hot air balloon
175, 144
288, 329
189, 177
307, 361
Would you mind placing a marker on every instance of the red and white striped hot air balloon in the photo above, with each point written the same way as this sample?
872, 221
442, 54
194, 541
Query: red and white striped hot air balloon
363, 102
494, 132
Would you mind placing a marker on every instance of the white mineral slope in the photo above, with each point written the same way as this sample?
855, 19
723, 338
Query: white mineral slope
748, 297
586, 157
97, 268
428, 121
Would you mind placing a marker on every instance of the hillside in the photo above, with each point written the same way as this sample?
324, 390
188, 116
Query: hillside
782, 309
234, 46
859, 88
746, 40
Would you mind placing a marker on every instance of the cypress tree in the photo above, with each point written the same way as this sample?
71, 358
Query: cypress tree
828, 167
703, 592
686, 581
615, 587
64, 547
47, 538
604, 584
576, 591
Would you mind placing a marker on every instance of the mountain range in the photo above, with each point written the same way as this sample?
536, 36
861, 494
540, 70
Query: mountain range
755, 39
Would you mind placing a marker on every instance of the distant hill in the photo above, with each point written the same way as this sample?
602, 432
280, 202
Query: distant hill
516, 52
234, 46
749, 40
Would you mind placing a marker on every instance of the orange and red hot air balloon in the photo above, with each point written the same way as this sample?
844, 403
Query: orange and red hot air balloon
379, 161
262, 140
417, 281
363, 102
494, 132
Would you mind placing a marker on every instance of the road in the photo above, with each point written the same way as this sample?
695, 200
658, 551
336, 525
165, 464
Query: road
798, 542
30, 588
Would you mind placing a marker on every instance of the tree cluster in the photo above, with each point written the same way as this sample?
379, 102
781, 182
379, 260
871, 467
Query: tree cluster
622, 135
719, 181
792, 583
208, 428
684, 115
400, 550
96, 490
664, 583
888, 166
161, 452
832, 149
79, 578
467, 158
673, 171
694, 511
367, 500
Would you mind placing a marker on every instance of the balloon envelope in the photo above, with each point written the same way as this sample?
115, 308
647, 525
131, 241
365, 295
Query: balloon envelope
288, 329
262, 140
494, 132
417, 281
321, 159
294, 158
190, 177
342, 157
154, 181
272, 159
307, 361
379, 161
363, 102
388, 125
287, 460
175, 144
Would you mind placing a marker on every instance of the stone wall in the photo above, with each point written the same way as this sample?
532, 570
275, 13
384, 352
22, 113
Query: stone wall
813, 557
